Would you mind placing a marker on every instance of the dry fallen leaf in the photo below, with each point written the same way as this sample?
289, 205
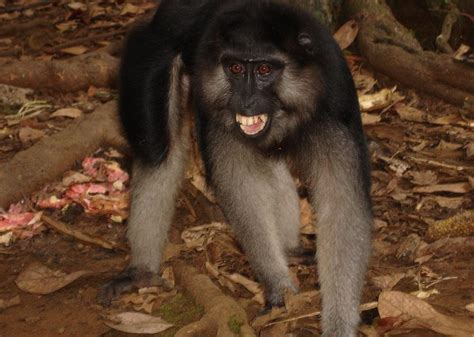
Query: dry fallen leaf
444, 146
134, 322
39, 279
65, 26
470, 150
368, 119
140, 301
302, 303
364, 83
459, 188
424, 178
168, 276
27, 134
274, 314
447, 202
5, 304
447, 246
67, 112
470, 307
6, 238
424, 294
346, 34
77, 6
252, 286
412, 114
387, 282
76, 50
131, 9
369, 331
460, 53
376, 101
197, 237
422, 315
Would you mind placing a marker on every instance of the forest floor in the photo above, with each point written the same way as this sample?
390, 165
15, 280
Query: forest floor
422, 153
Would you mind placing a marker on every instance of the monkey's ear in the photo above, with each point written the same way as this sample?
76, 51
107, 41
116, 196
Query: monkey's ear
304, 40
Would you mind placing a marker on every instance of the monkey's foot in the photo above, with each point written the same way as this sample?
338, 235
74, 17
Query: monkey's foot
275, 297
129, 279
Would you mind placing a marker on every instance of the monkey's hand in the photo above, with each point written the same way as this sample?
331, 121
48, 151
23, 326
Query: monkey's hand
129, 279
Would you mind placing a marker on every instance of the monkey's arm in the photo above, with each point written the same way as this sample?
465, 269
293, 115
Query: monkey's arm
339, 188
247, 186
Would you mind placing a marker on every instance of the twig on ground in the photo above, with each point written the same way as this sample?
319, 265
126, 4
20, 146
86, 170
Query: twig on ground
67, 230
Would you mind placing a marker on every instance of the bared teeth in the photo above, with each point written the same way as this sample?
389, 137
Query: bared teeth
252, 125
247, 121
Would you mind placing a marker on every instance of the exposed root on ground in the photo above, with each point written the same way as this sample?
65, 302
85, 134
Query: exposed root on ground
391, 49
77, 73
223, 317
48, 159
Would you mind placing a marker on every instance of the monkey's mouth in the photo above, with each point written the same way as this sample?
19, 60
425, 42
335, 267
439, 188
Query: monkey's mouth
252, 125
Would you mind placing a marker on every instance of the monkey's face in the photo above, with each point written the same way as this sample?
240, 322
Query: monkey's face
252, 98
263, 97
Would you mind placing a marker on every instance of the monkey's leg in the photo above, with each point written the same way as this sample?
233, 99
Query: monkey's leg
287, 211
340, 195
154, 192
153, 102
243, 182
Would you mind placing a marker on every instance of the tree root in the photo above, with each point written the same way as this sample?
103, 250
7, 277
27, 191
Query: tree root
223, 317
77, 73
391, 49
31, 169
442, 40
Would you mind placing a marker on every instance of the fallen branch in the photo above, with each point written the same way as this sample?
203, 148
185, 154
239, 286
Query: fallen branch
223, 317
73, 74
436, 163
84, 237
31, 169
362, 307
391, 49
442, 40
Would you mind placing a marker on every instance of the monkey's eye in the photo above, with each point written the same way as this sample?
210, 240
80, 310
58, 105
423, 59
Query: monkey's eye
264, 69
236, 68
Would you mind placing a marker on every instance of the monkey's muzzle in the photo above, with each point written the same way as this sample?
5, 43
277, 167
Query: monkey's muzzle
252, 125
